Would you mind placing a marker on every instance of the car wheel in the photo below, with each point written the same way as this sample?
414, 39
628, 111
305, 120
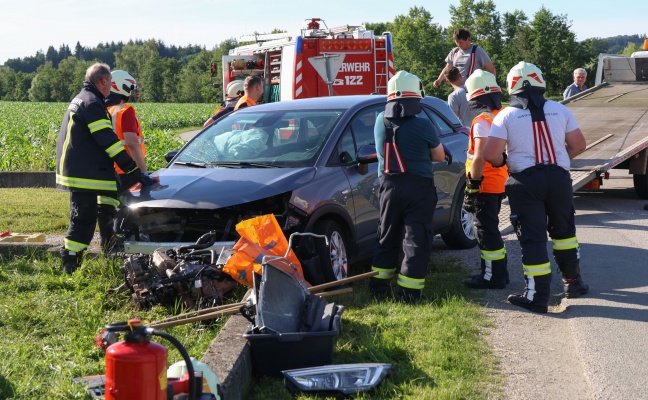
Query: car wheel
333, 258
462, 233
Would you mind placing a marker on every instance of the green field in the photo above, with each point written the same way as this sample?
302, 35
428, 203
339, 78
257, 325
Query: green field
29, 131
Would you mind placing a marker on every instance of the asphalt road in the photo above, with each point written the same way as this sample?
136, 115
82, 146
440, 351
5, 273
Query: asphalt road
596, 346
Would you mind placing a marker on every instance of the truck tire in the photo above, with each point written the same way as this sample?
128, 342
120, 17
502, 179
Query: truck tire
461, 234
333, 258
641, 185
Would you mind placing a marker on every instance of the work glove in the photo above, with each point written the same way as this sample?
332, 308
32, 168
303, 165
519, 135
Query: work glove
146, 180
470, 196
448, 154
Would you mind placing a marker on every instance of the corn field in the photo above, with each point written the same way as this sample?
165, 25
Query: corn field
29, 131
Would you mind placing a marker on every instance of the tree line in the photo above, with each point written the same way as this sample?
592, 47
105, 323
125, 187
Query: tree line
181, 74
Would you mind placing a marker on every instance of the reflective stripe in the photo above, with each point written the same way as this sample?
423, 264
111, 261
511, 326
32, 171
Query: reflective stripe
537, 270
99, 125
107, 200
565, 244
115, 149
493, 254
74, 246
410, 283
383, 273
83, 183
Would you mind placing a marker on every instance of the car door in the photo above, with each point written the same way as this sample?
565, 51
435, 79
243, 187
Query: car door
363, 179
447, 178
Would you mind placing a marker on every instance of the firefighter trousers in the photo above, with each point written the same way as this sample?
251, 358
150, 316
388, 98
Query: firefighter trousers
541, 200
83, 219
489, 237
407, 204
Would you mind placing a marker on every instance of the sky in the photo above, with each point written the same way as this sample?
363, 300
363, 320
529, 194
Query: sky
27, 26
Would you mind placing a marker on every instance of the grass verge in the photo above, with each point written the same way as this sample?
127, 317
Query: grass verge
34, 210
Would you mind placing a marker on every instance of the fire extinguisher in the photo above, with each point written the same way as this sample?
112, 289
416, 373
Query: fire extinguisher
136, 367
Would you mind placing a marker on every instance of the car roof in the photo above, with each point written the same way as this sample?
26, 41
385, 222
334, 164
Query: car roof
348, 102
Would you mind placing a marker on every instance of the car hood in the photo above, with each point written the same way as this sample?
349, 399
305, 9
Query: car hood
211, 188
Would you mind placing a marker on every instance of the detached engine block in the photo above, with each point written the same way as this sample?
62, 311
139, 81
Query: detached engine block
192, 274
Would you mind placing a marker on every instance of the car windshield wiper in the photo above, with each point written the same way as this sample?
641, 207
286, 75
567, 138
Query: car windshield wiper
191, 164
240, 164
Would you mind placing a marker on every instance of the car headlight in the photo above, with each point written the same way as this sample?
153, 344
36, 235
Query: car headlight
344, 378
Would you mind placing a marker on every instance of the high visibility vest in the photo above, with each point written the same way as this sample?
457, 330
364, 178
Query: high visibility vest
494, 178
117, 112
244, 102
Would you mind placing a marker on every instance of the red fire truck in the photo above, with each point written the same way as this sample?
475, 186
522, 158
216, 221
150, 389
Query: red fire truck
316, 62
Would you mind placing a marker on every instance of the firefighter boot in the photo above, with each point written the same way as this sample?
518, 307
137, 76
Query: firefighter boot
70, 260
494, 275
380, 289
536, 294
409, 296
572, 280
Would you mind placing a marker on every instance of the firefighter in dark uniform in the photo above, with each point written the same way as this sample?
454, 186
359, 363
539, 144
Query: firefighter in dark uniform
485, 184
407, 145
540, 137
86, 151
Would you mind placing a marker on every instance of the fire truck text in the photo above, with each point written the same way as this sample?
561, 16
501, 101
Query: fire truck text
356, 67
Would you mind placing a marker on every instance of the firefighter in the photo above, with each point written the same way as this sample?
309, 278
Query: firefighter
234, 92
128, 130
540, 137
86, 151
253, 88
406, 147
485, 184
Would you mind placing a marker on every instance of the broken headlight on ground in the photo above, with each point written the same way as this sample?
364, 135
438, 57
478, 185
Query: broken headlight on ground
191, 273
345, 378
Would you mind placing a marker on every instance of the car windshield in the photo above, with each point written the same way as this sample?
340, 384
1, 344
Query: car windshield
255, 139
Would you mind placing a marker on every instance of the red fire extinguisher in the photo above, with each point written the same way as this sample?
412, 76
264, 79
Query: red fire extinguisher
136, 367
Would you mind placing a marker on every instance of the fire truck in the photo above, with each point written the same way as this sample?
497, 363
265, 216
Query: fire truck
316, 62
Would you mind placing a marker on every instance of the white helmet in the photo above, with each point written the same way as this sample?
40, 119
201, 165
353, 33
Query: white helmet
404, 85
481, 82
525, 76
123, 83
235, 88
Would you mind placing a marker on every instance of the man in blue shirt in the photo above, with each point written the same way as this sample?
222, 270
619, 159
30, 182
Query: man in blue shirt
406, 144
579, 83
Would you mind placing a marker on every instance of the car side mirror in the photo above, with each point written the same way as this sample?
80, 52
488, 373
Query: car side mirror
169, 155
367, 154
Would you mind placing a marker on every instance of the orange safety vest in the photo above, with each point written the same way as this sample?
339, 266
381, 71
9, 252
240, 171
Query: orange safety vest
494, 178
244, 102
117, 112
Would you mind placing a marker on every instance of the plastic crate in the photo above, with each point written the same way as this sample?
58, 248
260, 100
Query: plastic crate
276, 352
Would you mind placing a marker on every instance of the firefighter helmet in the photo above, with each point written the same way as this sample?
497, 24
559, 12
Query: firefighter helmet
525, 76
481, 82
235, 88
123, 83
404, 85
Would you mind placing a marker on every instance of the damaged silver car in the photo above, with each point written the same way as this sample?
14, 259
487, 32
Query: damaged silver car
312, 163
